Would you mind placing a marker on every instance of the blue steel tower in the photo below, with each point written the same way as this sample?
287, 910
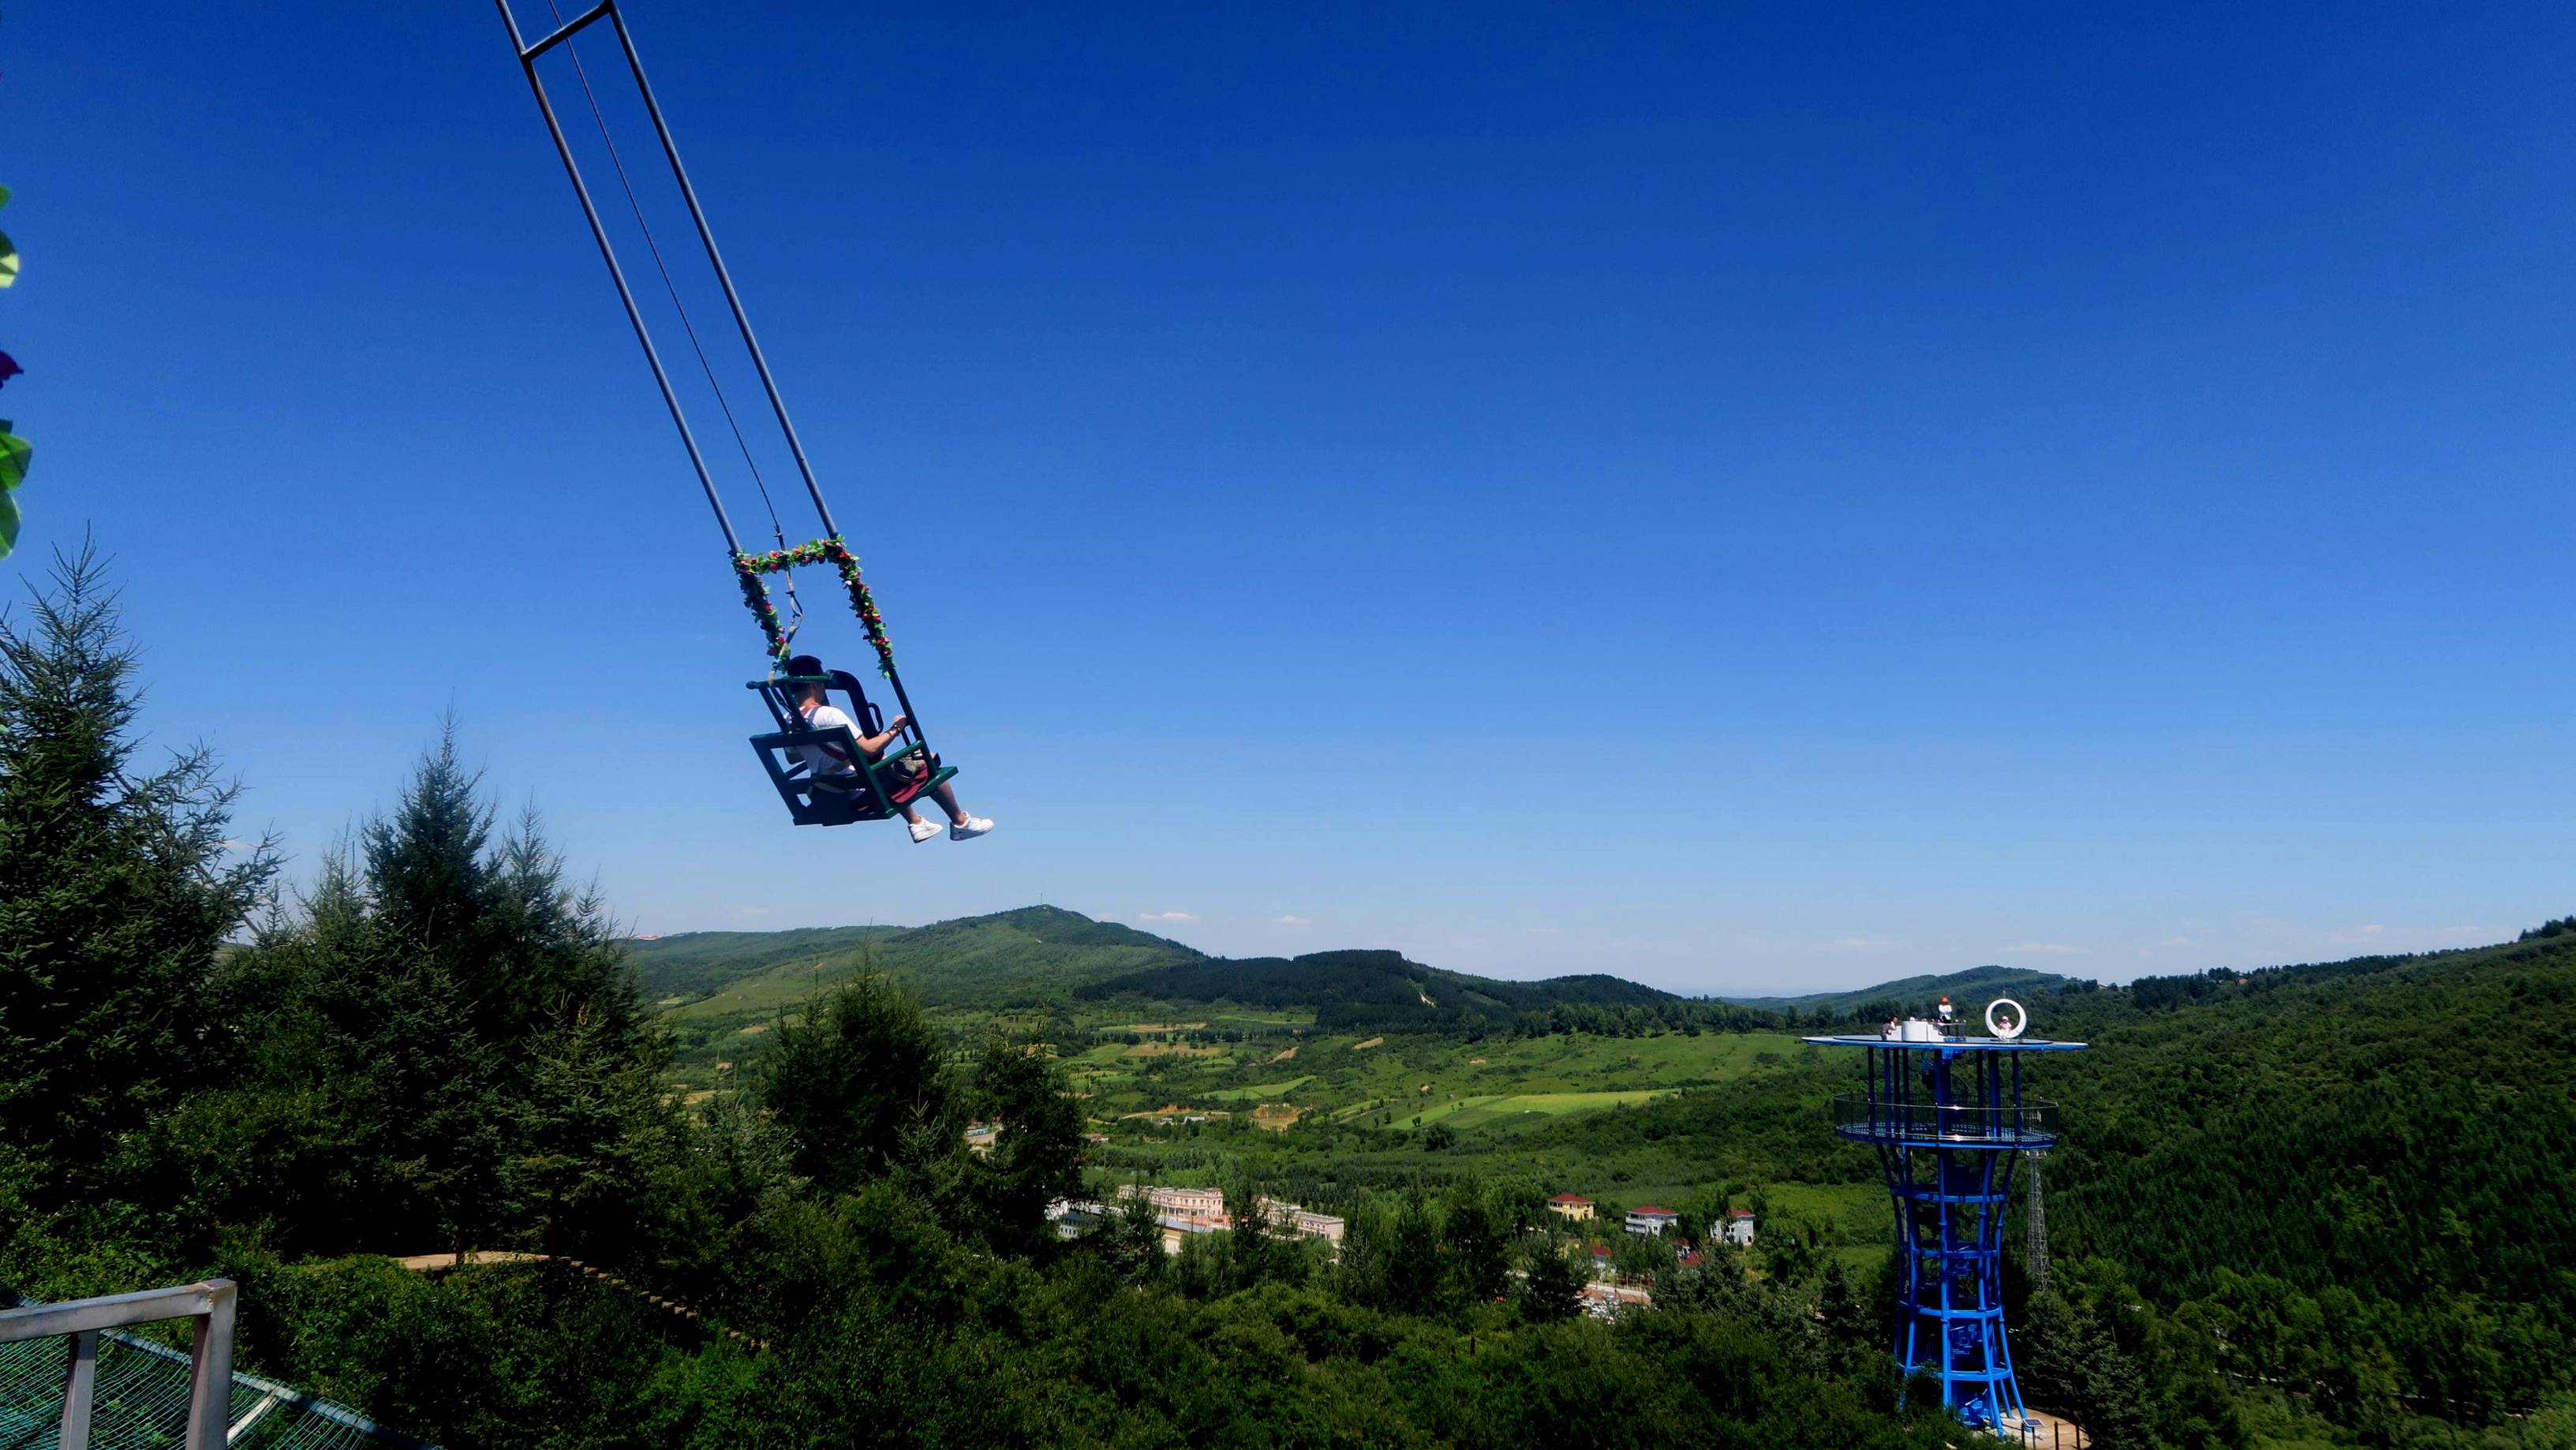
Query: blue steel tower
1949, 1120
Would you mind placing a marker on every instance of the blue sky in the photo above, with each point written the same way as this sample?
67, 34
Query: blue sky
1740, 501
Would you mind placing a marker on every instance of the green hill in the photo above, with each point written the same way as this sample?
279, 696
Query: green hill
1032, 957
1045, 958
1372, 989
2393, 1138
2353, 1179
1977, 985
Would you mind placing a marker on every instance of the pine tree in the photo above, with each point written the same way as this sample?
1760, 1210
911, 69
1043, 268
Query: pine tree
1551, 1287
1476, 1244
117, 891
1036, 1157
854, 1080
441, 1048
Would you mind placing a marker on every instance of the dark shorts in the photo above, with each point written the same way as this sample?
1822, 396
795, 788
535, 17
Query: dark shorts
903, 778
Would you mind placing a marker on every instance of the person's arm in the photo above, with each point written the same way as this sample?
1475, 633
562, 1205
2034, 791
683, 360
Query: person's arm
875, 745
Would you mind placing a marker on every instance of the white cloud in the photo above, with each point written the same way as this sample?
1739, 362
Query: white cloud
1293, 920
1167, 916
2054, 949
232, 843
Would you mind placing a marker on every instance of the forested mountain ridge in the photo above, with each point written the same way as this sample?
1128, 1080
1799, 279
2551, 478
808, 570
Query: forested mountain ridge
1371, 989
1975, 986
1032, 956
1043, 956
2384, 1149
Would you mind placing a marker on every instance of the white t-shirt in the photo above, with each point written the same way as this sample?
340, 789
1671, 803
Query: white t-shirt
819, 759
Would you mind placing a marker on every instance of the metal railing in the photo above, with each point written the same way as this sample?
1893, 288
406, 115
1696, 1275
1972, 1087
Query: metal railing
2032, 1121
210, 1363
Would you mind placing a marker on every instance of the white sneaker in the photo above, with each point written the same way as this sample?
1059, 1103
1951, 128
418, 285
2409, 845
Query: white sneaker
969, 829
923, 831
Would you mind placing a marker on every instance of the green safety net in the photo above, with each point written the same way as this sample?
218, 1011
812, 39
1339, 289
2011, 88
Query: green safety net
140, 1400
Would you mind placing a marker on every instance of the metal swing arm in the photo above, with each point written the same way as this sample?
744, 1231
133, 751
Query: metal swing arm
528, 55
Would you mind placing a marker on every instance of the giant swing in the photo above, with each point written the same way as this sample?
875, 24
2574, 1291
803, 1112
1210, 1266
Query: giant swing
786, 749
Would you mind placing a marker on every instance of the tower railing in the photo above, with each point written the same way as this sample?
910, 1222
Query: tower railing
2028, 1124
80, 1322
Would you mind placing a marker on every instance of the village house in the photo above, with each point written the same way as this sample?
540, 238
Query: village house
1739, 1227
1650, 1221
1571, 1206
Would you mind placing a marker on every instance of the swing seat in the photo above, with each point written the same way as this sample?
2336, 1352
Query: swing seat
872, 792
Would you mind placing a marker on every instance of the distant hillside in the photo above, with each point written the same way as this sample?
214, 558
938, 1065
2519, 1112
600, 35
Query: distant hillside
694, 964
1377, 989
2400, 1128
1042, 956
1977, 985
1030, 957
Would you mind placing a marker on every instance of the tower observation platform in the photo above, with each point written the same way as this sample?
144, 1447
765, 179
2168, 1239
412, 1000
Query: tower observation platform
1949, 1118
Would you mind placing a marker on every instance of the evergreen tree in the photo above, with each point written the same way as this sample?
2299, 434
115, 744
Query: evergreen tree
1551, 1286
1476, 1245
1416, 1280
1843, 1321
1036, 1157
439, 1048
117, 889
854, 1079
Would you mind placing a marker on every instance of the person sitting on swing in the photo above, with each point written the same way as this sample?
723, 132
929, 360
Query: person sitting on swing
833, 770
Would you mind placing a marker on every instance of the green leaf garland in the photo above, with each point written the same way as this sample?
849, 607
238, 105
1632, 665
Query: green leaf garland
755, 594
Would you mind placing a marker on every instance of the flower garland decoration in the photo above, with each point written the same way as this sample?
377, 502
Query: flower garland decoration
14, 450
755, 594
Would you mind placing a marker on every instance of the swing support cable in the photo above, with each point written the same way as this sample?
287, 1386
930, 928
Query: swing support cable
748, 567
617, 163
599, 233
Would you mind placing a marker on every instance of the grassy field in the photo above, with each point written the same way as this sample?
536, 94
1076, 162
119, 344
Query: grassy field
1212, 1093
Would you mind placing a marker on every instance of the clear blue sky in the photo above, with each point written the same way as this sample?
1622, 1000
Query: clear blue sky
1741, 502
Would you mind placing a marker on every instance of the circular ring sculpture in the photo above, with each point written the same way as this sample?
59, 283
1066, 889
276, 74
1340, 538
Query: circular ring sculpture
2020, 1019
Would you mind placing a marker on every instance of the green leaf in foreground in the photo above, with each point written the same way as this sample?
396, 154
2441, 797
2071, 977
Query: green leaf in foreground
8, 260
14, 453
8, 524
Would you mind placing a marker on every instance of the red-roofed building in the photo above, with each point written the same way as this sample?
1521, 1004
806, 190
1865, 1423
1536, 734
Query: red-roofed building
1648, 1220
1572, 1206
1739, 1227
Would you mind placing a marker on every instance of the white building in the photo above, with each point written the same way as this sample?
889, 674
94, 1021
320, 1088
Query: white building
1292, 1218
1074, 1217
1199, 1201
1650, 1221
1739, 1226
1187, 1211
